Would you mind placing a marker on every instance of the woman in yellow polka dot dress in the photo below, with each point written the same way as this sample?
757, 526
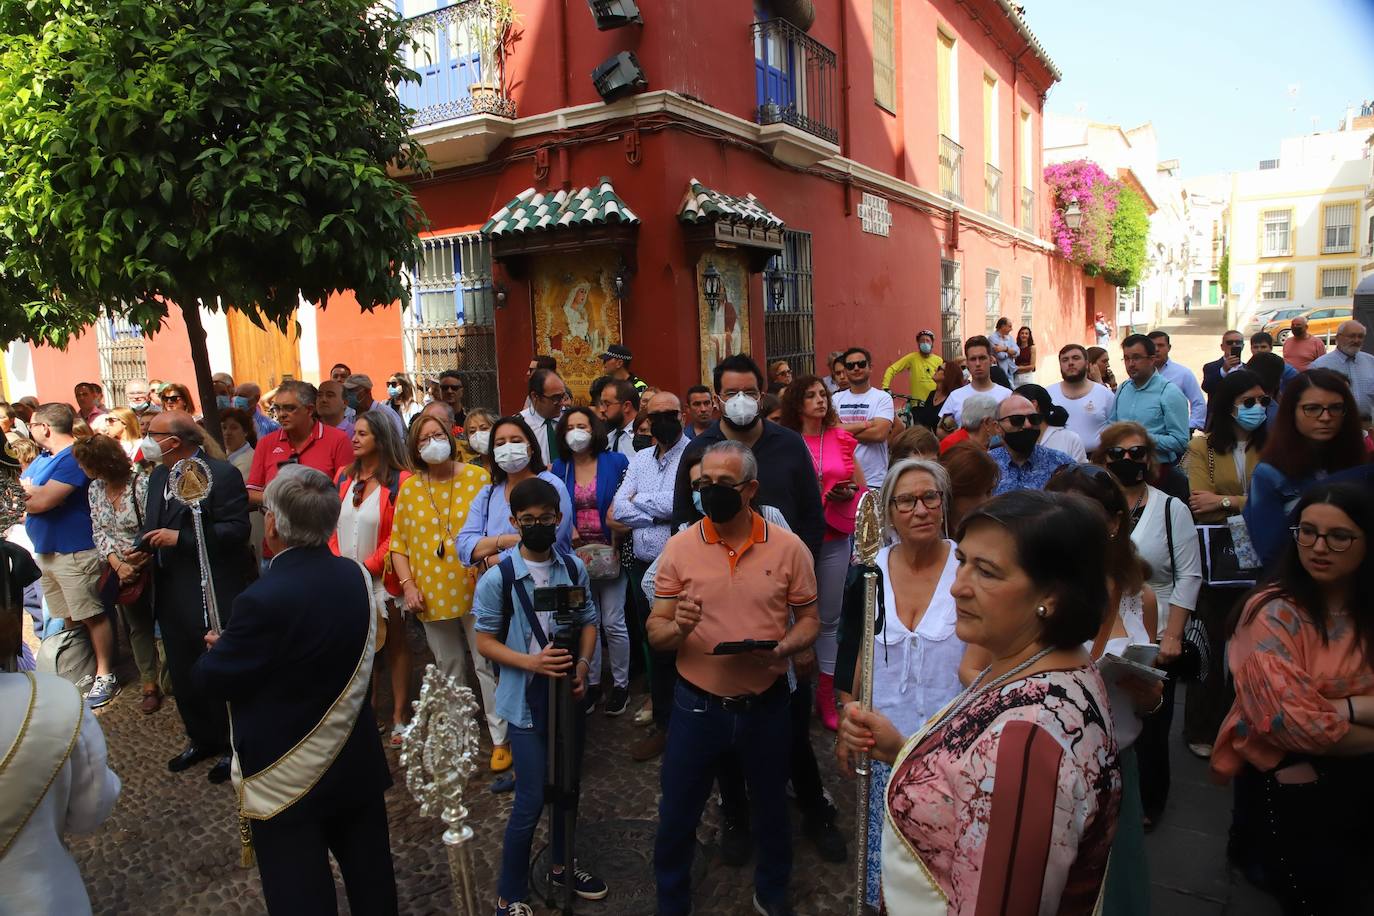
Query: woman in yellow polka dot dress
430, 511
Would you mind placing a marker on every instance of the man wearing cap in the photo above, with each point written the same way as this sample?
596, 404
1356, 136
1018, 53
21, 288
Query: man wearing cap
358, 394
919, 365
615, 362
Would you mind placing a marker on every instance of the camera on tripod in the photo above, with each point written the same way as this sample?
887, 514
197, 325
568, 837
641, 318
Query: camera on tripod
564, 601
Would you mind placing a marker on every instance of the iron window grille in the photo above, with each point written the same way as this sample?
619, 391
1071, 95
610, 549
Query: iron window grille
450, 322
789, 328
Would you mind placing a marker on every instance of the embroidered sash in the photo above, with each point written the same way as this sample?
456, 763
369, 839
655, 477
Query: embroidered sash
52, 722
284, 782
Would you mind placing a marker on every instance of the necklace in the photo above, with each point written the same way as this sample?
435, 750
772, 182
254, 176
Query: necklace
974, 690
448, 512
1139, 502
818, 458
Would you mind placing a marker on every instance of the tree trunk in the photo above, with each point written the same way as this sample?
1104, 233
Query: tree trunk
200, 359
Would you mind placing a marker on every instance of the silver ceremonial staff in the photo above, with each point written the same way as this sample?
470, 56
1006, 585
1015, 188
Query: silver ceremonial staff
439, 752
189, 484
868, 540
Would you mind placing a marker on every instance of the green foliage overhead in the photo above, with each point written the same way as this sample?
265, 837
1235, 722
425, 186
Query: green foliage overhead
1224, 271
160, 152
1130, 229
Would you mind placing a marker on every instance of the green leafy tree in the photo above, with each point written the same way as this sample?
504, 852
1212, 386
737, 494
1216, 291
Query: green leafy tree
1224, 275
1130, 230
160, 154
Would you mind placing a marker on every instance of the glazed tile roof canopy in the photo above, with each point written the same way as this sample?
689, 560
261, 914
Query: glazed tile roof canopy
532, 211
702, 204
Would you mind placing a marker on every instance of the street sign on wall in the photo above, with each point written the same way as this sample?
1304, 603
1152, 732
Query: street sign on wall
874, 216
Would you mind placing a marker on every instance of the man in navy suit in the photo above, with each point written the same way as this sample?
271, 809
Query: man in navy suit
294, 663
1231, 345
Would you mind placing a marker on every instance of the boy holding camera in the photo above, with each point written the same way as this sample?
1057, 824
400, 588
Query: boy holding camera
515, 605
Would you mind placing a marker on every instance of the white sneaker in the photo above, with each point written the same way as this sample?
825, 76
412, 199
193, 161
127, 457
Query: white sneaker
102, 691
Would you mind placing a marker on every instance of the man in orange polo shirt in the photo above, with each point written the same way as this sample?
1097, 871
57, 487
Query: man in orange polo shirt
302, 439
729, 577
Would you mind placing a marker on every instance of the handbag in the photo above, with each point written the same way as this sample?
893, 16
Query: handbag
108, 587
1222, 563
1194, 646
602, 561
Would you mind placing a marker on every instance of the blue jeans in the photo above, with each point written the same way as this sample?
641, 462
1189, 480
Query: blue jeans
700, 732
529, 749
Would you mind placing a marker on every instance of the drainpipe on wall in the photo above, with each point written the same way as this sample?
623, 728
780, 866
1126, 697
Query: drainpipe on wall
564, 166
844, 82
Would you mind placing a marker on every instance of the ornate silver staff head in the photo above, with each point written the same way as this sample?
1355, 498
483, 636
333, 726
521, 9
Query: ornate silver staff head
868, 527
189, 481
439, 752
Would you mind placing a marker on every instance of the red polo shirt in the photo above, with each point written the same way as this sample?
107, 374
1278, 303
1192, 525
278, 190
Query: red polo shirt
328, 449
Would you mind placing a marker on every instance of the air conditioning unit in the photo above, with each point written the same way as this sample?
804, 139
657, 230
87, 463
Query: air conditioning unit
619, 76
612, 14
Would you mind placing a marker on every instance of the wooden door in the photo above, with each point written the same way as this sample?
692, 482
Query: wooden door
267, 357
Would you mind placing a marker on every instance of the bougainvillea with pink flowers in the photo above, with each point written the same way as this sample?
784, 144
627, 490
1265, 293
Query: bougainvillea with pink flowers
1096, 192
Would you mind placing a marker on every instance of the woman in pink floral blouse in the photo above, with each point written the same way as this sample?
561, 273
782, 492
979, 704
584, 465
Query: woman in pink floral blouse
1006, 801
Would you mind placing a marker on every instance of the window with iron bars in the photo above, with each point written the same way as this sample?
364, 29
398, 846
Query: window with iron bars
951, 311
789, 330
451, 320
1027, 300
992, 292
119, 345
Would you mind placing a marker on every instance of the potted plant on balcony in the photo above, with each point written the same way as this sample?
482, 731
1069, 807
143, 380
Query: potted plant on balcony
489, 23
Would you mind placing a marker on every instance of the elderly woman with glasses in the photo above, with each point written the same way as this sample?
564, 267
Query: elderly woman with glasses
368, 489
916, 655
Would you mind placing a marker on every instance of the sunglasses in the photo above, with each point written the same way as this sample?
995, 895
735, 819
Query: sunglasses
1135, 452
450, 387
170, 398
1018, 420
294, 459
359, 489
861, 364
664, 415
1263, 401
1316, 410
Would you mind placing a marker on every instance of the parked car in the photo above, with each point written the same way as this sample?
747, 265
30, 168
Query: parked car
1321, 322
1268, 315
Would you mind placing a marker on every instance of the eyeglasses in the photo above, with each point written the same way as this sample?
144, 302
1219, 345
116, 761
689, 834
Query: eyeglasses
1338, 539
1018, 420
1264, 402
286, 408
702, 483
433, 437
170, 398
526, 521
450, 387
1135, 452
663, 415
1316, 410
747, 392
860, 364
294, 459
906, 502
359, 489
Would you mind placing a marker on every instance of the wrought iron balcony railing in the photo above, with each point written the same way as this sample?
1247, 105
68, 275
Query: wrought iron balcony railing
795, 80
951, 168
459, 52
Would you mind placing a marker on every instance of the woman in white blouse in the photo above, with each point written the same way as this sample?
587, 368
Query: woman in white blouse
1163, 533
916, 656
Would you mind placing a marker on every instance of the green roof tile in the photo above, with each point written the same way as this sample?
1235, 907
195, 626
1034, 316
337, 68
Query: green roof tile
702, 204
531, 211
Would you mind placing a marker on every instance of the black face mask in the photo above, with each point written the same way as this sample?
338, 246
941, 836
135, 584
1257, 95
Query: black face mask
640, 443
666, 430
1127, 472
721, 503
538, 538
1021, 441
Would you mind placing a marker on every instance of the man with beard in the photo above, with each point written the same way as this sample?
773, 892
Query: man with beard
1351, 361
1025, 464
618, 404
787, 482
701, 410
1089, 403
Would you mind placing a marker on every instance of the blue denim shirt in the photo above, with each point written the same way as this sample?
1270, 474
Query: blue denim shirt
1161, 408
1272, 497
486, 609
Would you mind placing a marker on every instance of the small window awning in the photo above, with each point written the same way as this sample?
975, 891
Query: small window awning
701, 204
531, 211
725, 219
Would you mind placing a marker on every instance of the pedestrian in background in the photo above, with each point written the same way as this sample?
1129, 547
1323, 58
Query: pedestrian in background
1025, 357
1004, 347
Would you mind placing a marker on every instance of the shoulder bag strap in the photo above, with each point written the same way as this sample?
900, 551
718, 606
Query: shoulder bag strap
530, 617
1169, 534
1211, 466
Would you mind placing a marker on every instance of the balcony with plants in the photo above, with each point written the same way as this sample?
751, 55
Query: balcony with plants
796, 83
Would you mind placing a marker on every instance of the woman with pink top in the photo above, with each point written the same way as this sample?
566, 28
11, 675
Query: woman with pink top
806, 408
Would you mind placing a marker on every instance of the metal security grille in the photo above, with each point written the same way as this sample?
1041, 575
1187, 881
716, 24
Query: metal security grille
1336, 282
1339, 232
1027, 300
1275, 225
122, 357
951, 311
451, 321
1274, 285
789, 329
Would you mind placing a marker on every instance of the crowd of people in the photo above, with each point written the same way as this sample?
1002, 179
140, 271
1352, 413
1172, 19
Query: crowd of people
1056, 560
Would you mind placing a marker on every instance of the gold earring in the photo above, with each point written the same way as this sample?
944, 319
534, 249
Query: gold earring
1042, 611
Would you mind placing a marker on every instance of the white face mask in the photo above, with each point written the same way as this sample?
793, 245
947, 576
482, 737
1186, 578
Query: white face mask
578, 439
436, 451
480, 441
741, 409
152, 451
512, 457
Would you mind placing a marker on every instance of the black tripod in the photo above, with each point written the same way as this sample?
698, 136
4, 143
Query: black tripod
562, 776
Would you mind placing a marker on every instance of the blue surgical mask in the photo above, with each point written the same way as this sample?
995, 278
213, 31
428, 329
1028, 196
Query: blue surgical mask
1250, 418
926, 347
222, 401
995, 442
240, 402
696, 501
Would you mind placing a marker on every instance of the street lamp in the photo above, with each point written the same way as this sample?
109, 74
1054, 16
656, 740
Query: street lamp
711, 286
1073, 216
776, 288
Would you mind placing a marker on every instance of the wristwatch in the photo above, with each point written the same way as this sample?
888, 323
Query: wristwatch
1226, 502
